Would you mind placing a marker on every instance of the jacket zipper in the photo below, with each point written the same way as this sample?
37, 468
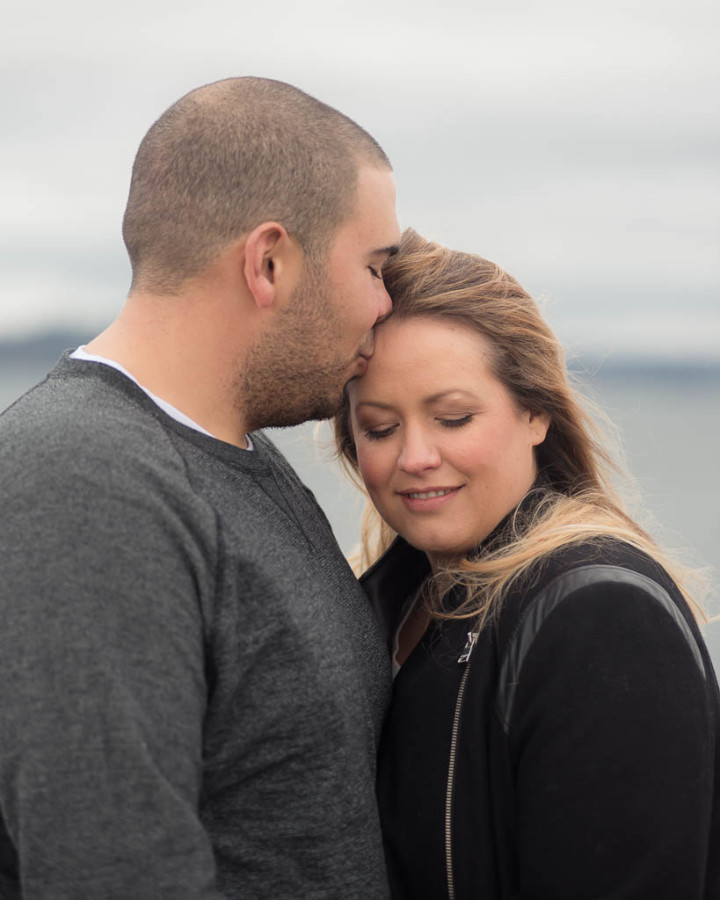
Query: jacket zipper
463, 659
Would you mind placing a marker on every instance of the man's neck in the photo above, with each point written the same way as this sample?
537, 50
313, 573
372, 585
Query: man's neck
174, 354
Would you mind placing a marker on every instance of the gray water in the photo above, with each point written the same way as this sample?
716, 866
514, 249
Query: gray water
669, 421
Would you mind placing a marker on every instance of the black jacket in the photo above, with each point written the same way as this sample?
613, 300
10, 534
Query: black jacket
586, 760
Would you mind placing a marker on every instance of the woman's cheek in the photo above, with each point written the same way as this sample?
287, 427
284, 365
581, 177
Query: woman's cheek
373, 470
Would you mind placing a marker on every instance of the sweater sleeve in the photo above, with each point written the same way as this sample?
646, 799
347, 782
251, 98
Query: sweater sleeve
612, 741
103, 673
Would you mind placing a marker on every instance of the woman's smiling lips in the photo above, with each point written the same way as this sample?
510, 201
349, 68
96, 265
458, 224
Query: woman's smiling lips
428, 499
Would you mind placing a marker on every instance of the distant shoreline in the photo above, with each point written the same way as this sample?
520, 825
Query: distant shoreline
43, 349
39, 349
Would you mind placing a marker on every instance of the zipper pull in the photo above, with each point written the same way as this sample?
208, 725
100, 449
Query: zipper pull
472, 637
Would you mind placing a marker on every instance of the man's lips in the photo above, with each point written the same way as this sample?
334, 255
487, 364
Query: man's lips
361, 363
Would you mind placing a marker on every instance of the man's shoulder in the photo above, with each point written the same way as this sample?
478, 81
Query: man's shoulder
79, 419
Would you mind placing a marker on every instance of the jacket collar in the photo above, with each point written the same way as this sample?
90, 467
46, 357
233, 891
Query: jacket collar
391, 579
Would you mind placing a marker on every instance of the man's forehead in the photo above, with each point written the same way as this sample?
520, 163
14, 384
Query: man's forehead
373, 222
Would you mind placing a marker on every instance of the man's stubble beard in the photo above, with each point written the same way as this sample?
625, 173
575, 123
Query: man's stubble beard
290, 375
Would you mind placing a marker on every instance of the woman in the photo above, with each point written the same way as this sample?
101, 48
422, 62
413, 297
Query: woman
555, 719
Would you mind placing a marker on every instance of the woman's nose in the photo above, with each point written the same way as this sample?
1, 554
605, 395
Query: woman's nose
418, 453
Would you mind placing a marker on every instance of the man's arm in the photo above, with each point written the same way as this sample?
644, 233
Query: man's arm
102, 667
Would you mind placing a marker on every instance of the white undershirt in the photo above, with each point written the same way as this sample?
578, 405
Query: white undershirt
166, 407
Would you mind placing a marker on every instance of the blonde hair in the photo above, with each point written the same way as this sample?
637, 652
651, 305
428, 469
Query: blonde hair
577, 501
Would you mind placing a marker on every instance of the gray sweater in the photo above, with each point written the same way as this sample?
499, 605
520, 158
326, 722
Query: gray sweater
192, 681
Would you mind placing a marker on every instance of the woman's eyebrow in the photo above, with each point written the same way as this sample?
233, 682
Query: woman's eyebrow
460, 393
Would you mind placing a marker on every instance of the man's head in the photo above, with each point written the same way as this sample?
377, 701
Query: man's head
229, 156
297, 369
267, 216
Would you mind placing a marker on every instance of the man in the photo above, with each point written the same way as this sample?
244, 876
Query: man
193, 683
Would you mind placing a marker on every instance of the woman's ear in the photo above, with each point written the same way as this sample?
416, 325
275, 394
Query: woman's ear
538, 422
263, 247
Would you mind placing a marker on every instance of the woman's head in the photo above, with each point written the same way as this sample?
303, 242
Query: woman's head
488, 334
444, 450
442, 296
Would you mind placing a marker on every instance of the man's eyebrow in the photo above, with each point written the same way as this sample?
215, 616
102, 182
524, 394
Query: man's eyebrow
375, 404
386, 251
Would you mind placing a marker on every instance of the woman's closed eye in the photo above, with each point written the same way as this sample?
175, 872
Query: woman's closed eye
455, 421
378, 433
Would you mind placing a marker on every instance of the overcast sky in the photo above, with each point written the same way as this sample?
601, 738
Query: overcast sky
577, 144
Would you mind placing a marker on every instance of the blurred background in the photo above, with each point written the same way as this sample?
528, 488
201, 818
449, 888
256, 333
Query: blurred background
574, 143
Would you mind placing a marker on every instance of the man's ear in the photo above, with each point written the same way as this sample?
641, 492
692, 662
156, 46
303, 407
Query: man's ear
264, 247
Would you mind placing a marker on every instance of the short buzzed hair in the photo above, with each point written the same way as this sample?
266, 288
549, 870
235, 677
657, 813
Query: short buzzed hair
227, 157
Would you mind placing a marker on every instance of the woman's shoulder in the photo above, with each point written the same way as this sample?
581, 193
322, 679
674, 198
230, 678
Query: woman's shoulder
604, 579
601, 560
594, 605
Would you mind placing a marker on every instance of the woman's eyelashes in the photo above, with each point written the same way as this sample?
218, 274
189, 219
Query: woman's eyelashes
455, 421
377, 433
376, 273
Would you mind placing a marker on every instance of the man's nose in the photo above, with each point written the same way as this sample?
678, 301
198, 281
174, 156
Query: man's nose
384, 305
